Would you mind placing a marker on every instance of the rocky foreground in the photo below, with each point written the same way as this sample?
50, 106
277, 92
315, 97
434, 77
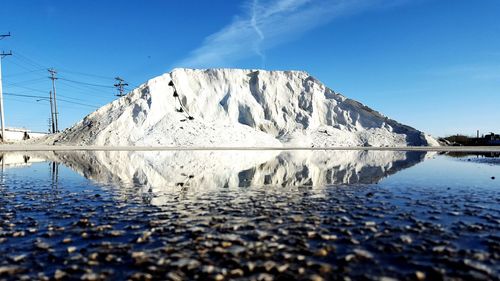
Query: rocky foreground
74, 231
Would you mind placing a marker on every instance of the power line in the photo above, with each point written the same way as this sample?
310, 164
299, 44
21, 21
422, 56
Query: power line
60, 70
46, 98
85, 83
24, 73
28, 88
26, 81
39, 102
20, 65
82, 89
30, 61
10, 98
79, 103
40, 66
63, 70
43, 92
87, 90
71, 98
80, 85
25, 96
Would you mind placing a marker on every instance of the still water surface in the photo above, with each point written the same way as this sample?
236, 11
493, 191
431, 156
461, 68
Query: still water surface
249, 215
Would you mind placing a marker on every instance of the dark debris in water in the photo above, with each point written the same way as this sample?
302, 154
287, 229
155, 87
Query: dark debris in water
356, 232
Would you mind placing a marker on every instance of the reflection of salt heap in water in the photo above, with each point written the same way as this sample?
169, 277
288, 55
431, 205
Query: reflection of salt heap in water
232, 107
202, 171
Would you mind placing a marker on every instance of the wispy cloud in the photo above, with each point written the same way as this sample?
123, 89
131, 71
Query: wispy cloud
266, 24
258, 31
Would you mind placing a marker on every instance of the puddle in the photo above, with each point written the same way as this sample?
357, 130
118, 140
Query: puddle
249, 215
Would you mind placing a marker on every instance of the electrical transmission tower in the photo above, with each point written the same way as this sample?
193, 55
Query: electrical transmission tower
120, 86
2, 55
55, 113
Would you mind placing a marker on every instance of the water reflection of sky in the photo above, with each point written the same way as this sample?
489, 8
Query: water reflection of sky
444, 172
390, 213
293, 169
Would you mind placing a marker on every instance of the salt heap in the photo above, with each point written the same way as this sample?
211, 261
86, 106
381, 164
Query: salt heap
238, 108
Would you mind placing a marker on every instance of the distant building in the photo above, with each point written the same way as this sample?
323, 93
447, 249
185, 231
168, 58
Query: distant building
492, 139
20, 134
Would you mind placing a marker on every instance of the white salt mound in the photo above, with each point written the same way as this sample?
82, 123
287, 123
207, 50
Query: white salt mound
238, 108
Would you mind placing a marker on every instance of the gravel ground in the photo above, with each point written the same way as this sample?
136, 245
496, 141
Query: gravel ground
363, 232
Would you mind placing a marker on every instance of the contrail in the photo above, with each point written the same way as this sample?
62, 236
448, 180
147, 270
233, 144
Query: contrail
268, 24
255, 26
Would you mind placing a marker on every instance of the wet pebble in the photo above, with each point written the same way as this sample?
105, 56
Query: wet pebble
41, 245
363, 254
59, 274
252, 234
10, 270
406, 239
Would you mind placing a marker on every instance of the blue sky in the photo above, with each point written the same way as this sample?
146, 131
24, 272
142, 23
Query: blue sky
431, 64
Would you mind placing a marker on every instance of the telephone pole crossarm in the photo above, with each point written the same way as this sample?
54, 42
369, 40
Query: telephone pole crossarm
120, 86
4, 54
2, 36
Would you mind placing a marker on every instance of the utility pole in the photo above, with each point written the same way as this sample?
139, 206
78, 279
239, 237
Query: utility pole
52, 113
53, 77
2, 55
50, 124
120, 86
